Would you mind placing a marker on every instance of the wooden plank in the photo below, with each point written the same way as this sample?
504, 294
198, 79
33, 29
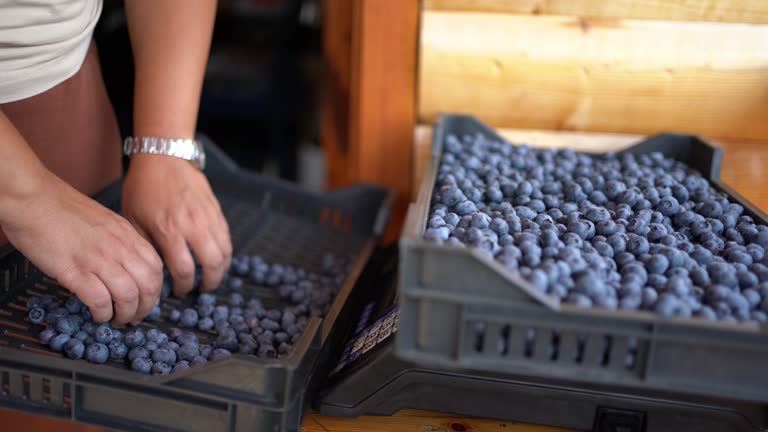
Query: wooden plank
630, 76
740, 11
744, 168
416, 423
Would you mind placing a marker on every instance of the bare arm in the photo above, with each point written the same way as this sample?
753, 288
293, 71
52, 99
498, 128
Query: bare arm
22, 175
92, 251
170, 42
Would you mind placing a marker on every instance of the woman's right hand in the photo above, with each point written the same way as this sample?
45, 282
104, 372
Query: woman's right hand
90, 250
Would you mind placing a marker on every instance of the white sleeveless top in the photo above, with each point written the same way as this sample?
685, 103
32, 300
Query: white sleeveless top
42, 43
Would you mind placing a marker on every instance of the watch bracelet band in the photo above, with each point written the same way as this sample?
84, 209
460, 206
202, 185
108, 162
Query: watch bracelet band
188, 149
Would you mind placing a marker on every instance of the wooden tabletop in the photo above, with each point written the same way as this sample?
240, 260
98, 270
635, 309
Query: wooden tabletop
745, 168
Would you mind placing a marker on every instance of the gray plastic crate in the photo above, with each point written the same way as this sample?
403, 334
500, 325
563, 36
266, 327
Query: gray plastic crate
268, 217
462, 310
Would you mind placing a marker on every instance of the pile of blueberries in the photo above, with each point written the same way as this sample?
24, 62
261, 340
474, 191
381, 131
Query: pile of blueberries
613, 231
218, 324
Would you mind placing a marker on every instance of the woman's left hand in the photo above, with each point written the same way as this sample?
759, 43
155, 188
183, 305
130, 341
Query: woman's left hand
170, 202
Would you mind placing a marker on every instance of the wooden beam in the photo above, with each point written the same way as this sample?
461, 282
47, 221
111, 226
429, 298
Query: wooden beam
370, 139
629, 76
740, 11
337, 49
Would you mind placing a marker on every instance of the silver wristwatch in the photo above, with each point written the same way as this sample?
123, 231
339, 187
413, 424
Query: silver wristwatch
187, 149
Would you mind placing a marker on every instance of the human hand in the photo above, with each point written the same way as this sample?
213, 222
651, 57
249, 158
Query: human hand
170, 202
88, 249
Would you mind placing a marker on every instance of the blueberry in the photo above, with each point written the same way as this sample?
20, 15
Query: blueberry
165, 355
117, 350
219, 353
151, 346
180, 366
198, 361
188, 318
205, 350
266, 351
74, 348
157, 336
637, 245
154, 314
66, 326
657, 264
161, 368
668, 206
103, 334
81, 336
649, 297
97, 353
678, 285
142, 364
753, 297
737, 255
174, 332
236, 300
73, 305
220, 312
57, 342
451, 219
137, 352
465, 207
579, 300
171, 345
36, 315
188, 351
205, 324
174, 316
699, 276
667, 305
227, 341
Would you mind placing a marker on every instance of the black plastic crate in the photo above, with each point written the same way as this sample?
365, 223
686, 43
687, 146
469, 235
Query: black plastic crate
461, 310
267, 217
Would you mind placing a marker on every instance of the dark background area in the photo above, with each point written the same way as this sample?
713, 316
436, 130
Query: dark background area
260, 99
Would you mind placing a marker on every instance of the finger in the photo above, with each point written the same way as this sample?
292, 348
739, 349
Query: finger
219, 230
92, 292
143, 246
211, 257
148, 279
124, 291
179, 261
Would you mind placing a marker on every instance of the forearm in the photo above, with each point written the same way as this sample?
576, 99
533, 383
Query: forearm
170, 40
22, 174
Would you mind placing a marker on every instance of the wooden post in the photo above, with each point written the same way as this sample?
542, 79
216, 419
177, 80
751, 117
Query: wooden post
370, 110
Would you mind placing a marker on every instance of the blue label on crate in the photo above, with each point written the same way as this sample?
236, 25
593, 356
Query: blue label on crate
368, 338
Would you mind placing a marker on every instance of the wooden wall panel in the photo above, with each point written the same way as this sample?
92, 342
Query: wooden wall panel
629, 76
740, 11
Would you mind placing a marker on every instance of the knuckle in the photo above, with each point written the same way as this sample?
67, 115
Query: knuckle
165, 224
126, 295
214, 259
184, 269
100, 301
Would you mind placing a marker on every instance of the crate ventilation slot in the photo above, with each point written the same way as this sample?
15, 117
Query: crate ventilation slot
555, 345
